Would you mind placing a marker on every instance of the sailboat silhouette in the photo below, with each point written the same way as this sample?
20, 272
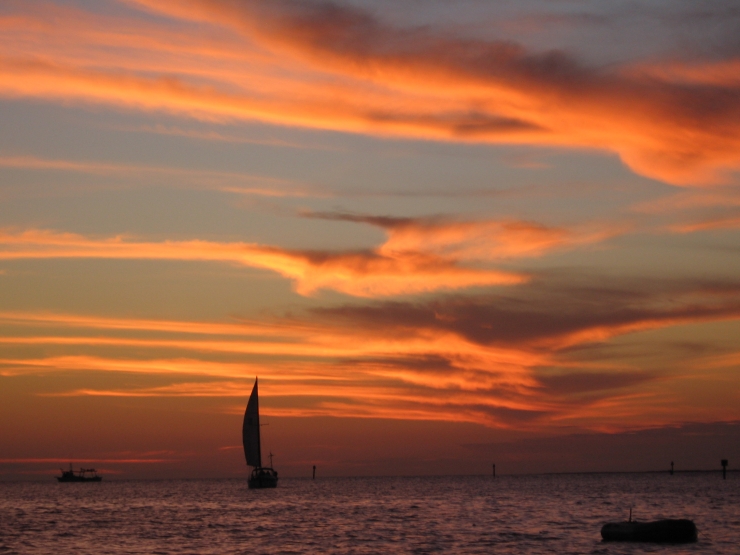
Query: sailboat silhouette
261, 477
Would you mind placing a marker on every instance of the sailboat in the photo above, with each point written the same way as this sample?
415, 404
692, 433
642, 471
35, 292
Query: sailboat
262, 476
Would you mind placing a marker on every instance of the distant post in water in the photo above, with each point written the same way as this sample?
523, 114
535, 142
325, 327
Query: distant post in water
724, 469
494, 470
314, 473
671, 468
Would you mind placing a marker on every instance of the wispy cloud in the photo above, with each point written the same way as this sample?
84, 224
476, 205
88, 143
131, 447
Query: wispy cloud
359, 273
224, 137
718, 222
475, 240
447, 319
690, 200
555, 317
240, 327
231, 182
329, 66
419, 254
690, 211
499, 360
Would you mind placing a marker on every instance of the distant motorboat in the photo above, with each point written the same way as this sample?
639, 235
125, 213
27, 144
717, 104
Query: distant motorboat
262, 476
658, 531
81, 475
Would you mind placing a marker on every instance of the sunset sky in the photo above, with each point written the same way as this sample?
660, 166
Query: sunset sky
444, 234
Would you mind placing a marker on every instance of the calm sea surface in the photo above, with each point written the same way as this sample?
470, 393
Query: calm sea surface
452, 515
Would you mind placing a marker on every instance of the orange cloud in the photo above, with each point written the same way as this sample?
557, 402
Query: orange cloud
474, 240
318, 368
317, 388
721, 73
221, 137
363, 273
696, 210
224, 181
719, 222
242, 327
525, 360
718, 197
321, 65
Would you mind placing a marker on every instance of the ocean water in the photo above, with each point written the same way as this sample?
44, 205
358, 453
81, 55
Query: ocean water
452, 515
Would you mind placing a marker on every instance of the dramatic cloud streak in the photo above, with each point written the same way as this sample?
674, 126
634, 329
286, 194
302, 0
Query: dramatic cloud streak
507, 361
555, 317
419, 255
329, 66
475, 240
361, 273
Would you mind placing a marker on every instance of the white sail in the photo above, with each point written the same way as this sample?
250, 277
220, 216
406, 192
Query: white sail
251, 430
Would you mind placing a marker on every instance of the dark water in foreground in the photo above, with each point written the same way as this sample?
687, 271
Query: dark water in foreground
451, 515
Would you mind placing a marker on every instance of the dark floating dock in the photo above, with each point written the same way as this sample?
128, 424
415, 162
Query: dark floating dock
659, 531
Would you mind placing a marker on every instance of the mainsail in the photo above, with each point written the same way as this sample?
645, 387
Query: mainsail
251, 430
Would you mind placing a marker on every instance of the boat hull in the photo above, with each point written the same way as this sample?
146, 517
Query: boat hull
81, 475
263, 478
659, 531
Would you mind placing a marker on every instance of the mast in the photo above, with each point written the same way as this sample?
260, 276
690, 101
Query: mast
251, 430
